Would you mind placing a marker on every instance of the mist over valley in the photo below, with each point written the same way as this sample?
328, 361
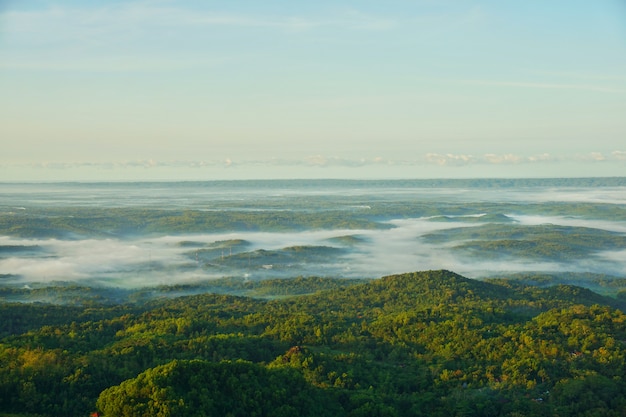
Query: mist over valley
135, 235
427, 298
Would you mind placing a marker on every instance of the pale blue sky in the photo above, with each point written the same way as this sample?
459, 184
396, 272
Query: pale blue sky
111, 90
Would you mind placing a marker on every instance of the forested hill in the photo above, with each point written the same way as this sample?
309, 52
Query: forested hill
445, 289
428, 343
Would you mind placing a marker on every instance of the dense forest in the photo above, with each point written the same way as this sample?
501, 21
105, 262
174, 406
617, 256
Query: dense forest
428, 343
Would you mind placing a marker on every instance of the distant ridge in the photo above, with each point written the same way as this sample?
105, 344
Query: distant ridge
417, 182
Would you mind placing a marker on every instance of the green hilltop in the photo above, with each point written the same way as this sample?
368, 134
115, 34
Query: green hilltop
429, 343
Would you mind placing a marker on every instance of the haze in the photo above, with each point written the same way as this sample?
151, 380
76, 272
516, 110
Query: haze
149, 234
155, 89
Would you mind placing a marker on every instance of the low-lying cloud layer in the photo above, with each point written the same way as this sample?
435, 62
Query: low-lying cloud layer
509, 229
371, 253
441, 159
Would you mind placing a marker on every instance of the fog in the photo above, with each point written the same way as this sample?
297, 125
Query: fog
534, 220
163, 260
397, 247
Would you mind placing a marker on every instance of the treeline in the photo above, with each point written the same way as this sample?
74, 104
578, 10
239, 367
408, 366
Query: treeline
540, 242
72, 222
321, 212
423, 344
69, 294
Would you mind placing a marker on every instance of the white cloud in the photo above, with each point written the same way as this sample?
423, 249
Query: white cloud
506, 158
320, 160
597, 156
450, 159
619, 155
317, 160
544, 157
613, 156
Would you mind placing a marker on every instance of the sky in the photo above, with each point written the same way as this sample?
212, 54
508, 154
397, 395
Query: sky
203, 90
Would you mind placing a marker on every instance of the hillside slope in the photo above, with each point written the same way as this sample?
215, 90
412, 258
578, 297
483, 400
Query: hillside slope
429, 343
